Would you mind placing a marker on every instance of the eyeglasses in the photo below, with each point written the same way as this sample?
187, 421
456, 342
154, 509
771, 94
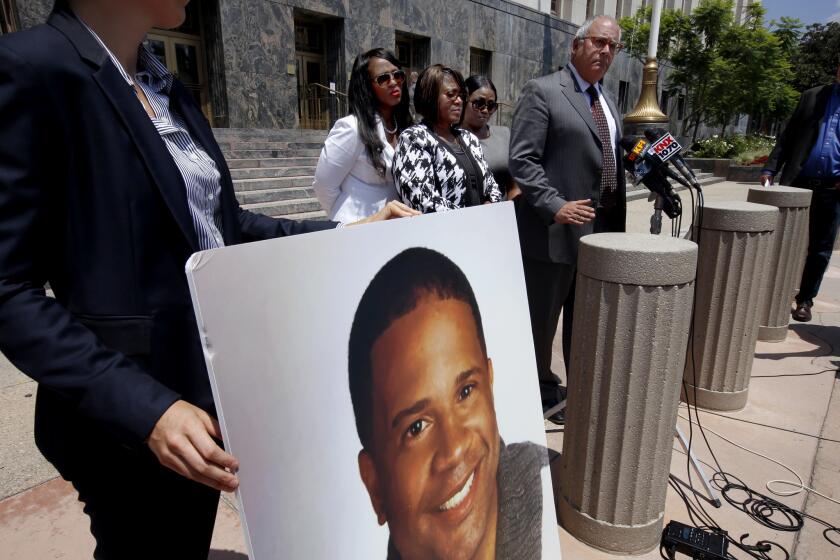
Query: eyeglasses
601, 42
451, 94
385, 78
481, 103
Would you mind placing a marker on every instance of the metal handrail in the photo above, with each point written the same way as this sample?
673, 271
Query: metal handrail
320, 111
322, 86
503, 105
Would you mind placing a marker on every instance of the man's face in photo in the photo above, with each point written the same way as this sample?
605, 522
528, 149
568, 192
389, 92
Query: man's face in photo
431, 472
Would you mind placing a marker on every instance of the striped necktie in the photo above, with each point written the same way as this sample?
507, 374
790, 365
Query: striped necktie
609, 176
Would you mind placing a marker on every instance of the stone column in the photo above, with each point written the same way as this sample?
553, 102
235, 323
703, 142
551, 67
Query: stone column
784, 267
632, 313
736, 241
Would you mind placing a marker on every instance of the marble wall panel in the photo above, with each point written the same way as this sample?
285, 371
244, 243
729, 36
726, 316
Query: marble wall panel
262, 101
33, 12
452, 21
483, 27
504, 33
455, 55
522, 71
502, 78
561, 48
415, 16
528, 40
336, 8
258, 36
360, 35
370, 11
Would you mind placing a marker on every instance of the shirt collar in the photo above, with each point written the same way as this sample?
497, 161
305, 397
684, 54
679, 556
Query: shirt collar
149, 68
582, 84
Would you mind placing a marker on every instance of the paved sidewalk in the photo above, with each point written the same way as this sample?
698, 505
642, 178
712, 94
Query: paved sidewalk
793, 417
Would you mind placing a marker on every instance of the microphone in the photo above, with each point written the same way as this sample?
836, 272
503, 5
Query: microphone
651, 173
665, 148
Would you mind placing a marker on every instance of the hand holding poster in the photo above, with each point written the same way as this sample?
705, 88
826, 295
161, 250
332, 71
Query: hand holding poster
377, 385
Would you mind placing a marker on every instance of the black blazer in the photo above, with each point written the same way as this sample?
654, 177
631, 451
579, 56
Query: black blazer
797, 139
91, 202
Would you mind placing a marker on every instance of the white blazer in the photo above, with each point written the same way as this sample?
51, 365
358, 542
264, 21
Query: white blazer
346, 184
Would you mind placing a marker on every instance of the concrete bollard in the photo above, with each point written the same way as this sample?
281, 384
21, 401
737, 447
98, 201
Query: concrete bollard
786, 258
736, 241
632, 314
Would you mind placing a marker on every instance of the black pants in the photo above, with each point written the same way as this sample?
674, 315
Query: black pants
551, 289
824, 218
138, 509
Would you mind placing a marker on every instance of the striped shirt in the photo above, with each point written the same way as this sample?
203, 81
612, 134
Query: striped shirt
198, 170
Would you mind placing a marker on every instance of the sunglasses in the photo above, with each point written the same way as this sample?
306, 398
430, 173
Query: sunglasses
481, 103
385, 78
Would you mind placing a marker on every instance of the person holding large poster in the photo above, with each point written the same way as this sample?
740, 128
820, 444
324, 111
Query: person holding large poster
110, 178
421, 382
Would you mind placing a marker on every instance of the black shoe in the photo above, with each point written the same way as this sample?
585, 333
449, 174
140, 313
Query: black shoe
558, 417
802, 313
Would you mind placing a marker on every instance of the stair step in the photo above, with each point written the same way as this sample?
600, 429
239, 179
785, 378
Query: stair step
241, 185
267, 134
272, 154
242, 163
635, 192
272, 162
266, 172
320, 215
274, 195
234, 146
284, 207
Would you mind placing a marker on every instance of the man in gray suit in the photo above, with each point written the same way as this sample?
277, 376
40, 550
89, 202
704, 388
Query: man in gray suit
564, 155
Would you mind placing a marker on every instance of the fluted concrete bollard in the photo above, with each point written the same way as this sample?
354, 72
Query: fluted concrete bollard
785, 264
736, 240
633, 309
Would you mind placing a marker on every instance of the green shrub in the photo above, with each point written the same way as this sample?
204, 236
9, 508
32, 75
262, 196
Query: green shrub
745, 149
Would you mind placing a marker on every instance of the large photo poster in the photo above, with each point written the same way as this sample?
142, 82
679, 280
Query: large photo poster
378, 386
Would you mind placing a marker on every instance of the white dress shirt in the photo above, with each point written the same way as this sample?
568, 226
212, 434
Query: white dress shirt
584, 85
346, 183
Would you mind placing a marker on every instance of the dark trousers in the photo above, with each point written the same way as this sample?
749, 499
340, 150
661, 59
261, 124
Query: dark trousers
551, 289
549, 286
824, 219
138, 509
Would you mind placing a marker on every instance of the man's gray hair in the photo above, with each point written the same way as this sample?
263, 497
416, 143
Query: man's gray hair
583, 30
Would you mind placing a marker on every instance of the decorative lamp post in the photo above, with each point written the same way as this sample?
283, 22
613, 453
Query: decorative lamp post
647, 110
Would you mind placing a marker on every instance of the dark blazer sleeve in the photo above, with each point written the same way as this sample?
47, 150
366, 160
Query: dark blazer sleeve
527, 143
38, 334
784, 144
256, 226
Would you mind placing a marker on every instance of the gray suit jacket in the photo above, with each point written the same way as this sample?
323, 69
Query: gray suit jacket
555, 156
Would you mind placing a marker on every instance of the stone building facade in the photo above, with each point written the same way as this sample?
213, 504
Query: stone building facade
253, 63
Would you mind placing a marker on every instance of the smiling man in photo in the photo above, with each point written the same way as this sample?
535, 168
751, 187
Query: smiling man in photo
432, 460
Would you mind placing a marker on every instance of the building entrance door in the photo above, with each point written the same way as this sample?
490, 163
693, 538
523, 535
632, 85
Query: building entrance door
313, 88
183, 55
312, 98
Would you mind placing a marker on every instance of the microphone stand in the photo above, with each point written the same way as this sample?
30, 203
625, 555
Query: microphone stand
656, 218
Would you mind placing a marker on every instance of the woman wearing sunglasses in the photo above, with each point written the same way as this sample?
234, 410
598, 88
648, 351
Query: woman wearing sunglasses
480, 107
353, 178
438, 165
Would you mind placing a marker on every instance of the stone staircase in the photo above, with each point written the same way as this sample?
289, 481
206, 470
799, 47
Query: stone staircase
272, 170
635, 192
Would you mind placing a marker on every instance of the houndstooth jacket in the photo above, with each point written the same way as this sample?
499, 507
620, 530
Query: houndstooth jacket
429, 178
